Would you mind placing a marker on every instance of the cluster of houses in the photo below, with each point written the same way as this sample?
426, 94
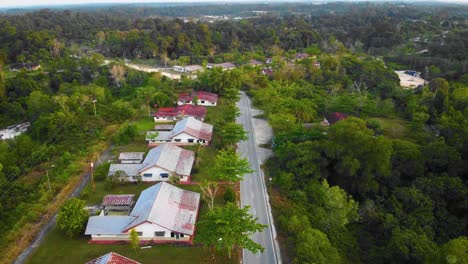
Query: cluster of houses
225, 66
13, 131
163, 212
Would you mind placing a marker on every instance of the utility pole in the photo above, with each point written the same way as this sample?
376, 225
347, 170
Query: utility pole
48, 179
94, 104
92, 177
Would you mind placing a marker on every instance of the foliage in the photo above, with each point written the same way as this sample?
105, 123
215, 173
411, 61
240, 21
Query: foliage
229, 196
134, 240
209, 191
229, 166
125, 134
72, 217
313, 247
100, 174
224, 228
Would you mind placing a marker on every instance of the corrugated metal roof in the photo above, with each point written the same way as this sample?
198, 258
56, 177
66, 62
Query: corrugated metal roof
168, 206
118, 199
129, 169
113, 258
163, 127
201, 95
108, 225
171, 158
193, 127
131, 155
162, 135
183, 110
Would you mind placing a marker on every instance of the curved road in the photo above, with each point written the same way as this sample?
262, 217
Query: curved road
253, 192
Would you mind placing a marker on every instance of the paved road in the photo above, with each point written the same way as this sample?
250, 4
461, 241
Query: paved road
47, 227
253, 192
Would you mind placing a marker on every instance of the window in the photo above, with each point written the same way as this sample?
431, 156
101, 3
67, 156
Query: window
159, 233
181, 235
172, 234
140, 233
148, 175
202, 102
164, 175
190, 140
177, 140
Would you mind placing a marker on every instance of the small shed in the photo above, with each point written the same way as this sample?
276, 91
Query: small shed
117, 202
131, 157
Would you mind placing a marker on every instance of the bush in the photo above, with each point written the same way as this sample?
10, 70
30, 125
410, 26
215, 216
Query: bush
100, 174
229, 196
125, 135
72, 217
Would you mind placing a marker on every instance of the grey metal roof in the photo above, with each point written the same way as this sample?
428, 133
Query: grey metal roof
193, 127
131, 156
107, 225
129, 169
162, 135
171, 158
168, 206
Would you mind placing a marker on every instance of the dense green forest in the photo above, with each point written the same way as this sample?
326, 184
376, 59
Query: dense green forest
385, 185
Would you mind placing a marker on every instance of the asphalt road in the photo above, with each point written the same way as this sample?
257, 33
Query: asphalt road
253, 192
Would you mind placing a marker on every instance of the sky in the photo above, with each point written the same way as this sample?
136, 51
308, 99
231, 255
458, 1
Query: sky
26, 3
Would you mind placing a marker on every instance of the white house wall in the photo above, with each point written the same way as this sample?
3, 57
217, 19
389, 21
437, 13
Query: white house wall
155, 171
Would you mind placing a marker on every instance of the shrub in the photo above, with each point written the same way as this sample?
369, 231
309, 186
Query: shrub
229, 196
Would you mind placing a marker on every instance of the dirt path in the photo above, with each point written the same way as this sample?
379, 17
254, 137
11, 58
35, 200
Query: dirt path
49, 225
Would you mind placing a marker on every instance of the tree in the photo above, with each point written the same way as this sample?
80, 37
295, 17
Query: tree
134, 240
118, 74
229, 166
72, 217
146, 94
454, 251
313, 246
224, 228
209, 191
231, 133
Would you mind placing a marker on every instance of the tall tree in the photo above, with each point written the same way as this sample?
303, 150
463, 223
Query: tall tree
224, 228
72, 217
229, 166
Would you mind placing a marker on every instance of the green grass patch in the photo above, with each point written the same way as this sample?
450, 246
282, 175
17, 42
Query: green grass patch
145, 124
206, 157
393, 127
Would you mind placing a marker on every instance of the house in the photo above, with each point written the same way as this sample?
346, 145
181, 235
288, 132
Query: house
225, 66
112, 258
316, 64
255, 63
180, 112
163, 213
203, 98
269, 60
188, 131
26, 66
300, 56
131, 157
117, 202
335, 117
189, 69
13, 131
160, 164
267, 71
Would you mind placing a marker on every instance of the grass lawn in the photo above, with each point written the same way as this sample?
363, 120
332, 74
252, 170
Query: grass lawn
393, 127
57, 248
145, 124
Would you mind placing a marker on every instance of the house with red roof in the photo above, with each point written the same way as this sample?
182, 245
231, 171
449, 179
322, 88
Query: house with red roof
163, 213
334, 117
112, 258
202, 98
171, 114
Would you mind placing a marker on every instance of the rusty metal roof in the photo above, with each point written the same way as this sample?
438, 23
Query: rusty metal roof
131, 156
118, 199
194, 128
112, 258
171, 158
168, 206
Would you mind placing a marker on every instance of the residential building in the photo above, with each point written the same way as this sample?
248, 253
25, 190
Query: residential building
203, 98
13, 131
188, 131
117, 202
160, 164
255, 63
163, 213
170, 114
26, 66
112, 258
225, 66
189, 69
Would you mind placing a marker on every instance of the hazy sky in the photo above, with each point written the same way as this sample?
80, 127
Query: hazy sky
25, 3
